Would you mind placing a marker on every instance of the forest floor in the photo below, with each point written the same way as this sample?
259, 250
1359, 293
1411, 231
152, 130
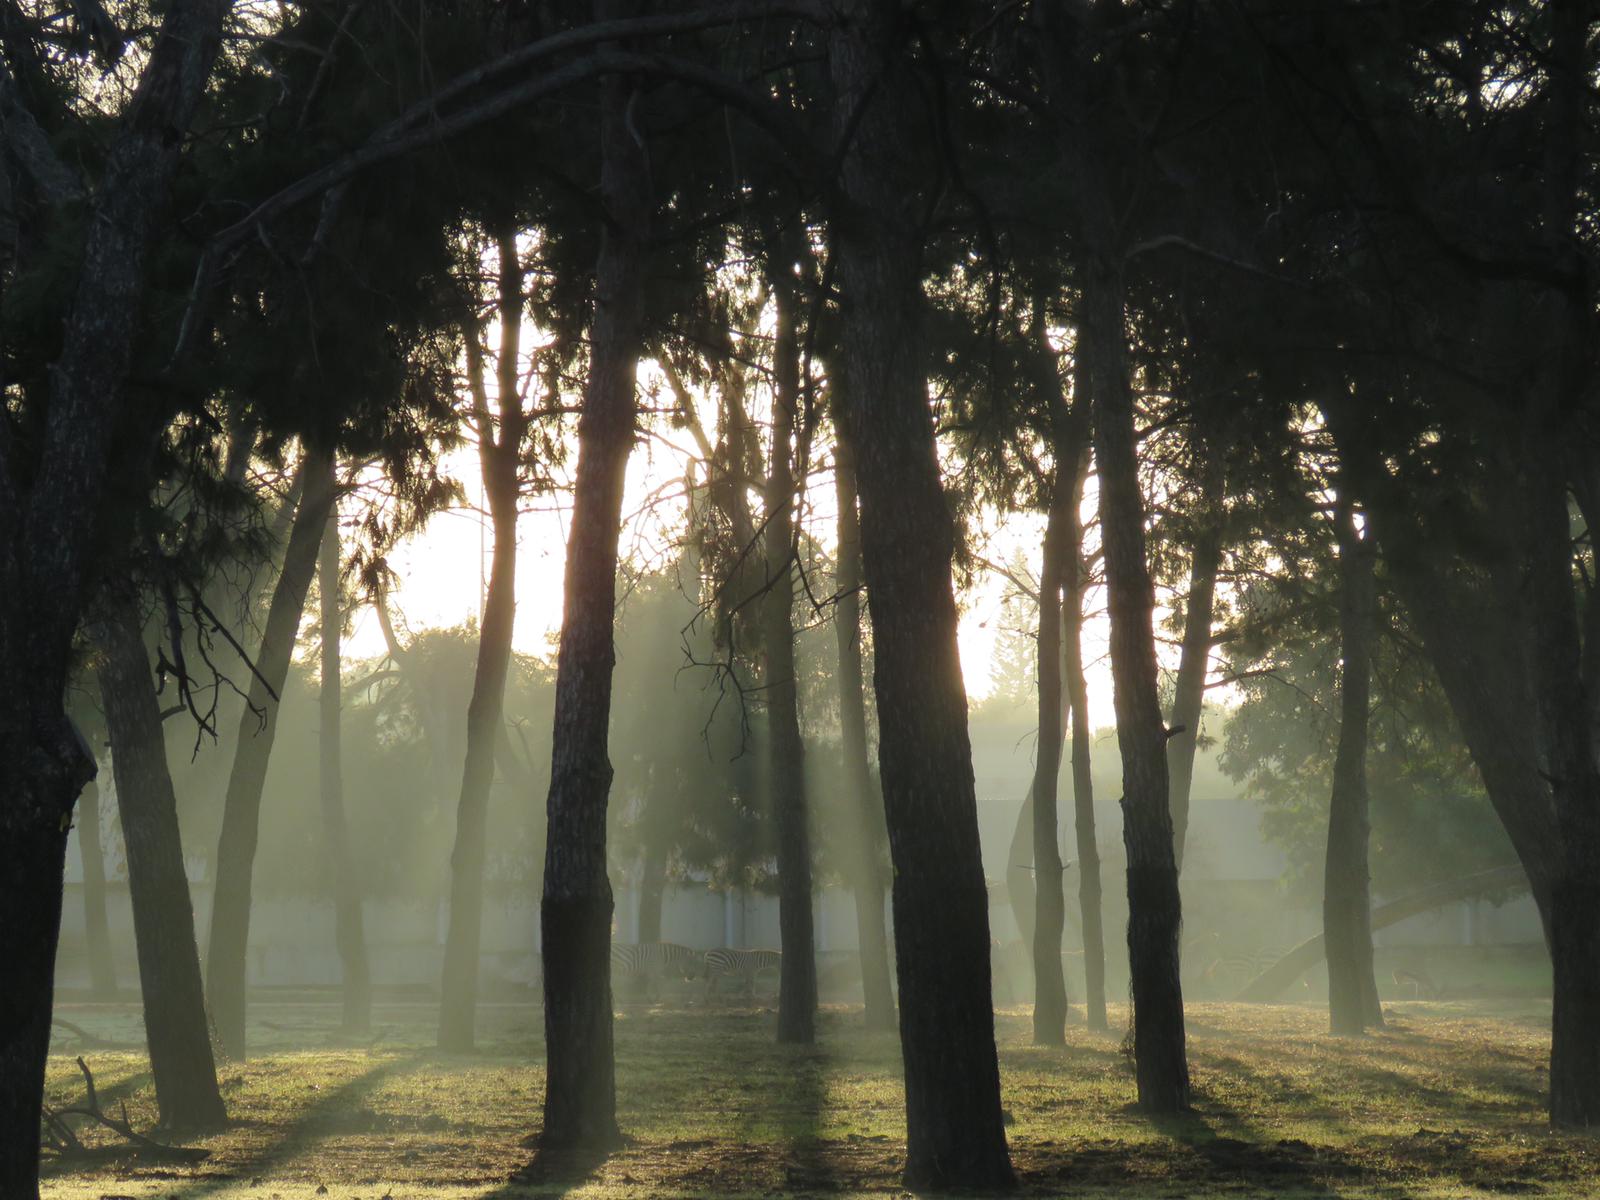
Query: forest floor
1448, 1101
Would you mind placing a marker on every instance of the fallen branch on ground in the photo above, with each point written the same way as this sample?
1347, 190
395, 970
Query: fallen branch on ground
58, 1136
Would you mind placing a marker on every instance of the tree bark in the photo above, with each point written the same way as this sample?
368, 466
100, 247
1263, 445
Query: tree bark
955, 1135
580, 1091
163, 917
1154, 905
35, 813
499, 453
96, 936
50, 509
1049, 981
866, 848
1347, 902
241, 815
797, 985
1574, 778
349, 935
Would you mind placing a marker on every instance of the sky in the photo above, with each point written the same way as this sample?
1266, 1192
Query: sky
440, 571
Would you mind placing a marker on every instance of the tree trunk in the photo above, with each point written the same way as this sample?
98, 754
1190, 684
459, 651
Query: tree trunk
499, 454
1347, 902
867, 845
1574, 778
50, 512
1154, 906
241, 814
1194, 659
35, 814
163, 916
1049, 982
1272, 982
797, 985
652, 888
1550, 434
1019, 873
1074, 585
580, 1106
97, 938
349, 936
955, 1135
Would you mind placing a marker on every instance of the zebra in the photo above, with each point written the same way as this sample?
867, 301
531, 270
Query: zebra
648, 960
744, 963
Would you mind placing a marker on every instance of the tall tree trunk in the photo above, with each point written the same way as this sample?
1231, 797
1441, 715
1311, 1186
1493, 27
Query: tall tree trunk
50, 537
797, 986
955, 1134
1154, 906
35, 813
1347, 900
1564, 711
1574, 778
1019, 873
1194, 659
163, 916
1089, 887
499, 454
867, 846
1049, 982
1050, 992
96, 936
241, 815
580, 1104
349, 936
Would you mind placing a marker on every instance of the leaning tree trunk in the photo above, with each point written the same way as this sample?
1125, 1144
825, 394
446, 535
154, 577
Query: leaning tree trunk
797, 986
241, 814
163, 917
1194, 659
1277, 978
580, 1104
865, 848
51, 509
1154, 906
499, 452
1346, 900
1050, 907
348, 934
954, 1130
96, 935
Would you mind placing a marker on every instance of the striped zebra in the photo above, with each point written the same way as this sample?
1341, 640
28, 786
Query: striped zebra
745, 964
651, 960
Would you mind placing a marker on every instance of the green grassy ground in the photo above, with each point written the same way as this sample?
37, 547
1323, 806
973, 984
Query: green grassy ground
1447, 1102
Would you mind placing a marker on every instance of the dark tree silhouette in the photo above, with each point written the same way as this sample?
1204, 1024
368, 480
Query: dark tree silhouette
580, 1105
176, 1028
955, 1136
229, 937
500, 451
349, 933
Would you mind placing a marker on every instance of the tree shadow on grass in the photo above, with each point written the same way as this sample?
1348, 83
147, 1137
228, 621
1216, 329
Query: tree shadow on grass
331, 1115
1206, 1149
553, 1173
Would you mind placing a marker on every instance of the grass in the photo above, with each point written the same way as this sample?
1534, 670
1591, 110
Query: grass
1447, 1102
